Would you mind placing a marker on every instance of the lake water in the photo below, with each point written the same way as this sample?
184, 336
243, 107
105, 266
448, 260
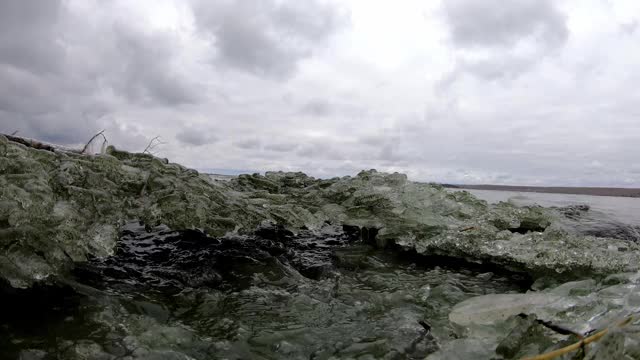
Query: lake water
623, 209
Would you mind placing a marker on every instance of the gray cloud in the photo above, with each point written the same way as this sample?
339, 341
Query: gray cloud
248, 144
29, 35
504, 67
504, 23
267, 37
34, 105
281, 147
629, 27
332, 107
317, 107
195, 137
32, 61
61, 75
502, 39
144, 70
320, 149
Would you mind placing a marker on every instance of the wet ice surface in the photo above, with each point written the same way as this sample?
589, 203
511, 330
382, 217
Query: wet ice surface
375, 310
250, 297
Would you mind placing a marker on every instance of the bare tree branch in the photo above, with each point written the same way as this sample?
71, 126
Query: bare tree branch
156, 141
15, 132
101, 133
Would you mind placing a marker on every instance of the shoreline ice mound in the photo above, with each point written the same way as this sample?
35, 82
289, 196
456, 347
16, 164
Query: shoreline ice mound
548, 253
518, 325
58, 208
432, 221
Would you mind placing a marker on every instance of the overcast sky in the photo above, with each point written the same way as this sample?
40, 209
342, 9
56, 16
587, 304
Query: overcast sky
463, 91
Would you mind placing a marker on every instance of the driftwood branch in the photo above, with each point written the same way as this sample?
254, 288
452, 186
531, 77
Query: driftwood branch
580, 344
101, 133
156, 141
30, 143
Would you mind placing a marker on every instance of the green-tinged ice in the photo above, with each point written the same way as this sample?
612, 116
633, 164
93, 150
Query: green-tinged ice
60, 209
584, 307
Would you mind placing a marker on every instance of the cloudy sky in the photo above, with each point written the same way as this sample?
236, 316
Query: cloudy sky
464, 91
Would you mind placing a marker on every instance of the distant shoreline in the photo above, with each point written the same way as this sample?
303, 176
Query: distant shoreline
594, 191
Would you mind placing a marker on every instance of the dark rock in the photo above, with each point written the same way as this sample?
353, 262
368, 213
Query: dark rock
573, 211
364, 234
275, 232
352, 231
